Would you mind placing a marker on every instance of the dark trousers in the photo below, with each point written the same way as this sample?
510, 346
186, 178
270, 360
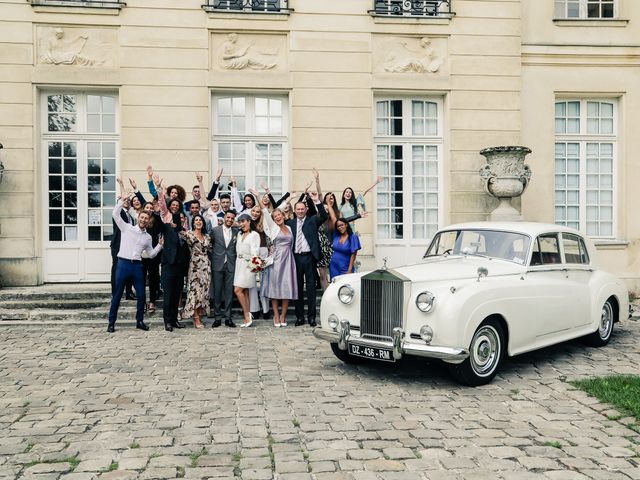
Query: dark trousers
306, 275
128, 271
152, 273
114, 265
172, 275
222, 293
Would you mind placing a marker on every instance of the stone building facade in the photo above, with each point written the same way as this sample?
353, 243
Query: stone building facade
268, 89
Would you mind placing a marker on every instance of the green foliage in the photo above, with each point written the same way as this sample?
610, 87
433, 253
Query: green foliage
621, 391
554, 444
196, 455
113, 466
72, 461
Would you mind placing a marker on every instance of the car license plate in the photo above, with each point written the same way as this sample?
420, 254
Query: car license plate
375, 353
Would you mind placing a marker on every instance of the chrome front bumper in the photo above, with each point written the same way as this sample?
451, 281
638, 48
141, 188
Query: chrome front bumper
399, 346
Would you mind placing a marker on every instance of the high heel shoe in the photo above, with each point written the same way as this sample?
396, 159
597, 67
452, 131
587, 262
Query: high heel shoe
197, 322
249, 323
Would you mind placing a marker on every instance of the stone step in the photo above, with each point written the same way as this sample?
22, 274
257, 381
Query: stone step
53, 316
57, 304
127, 321
56, 292
76, 304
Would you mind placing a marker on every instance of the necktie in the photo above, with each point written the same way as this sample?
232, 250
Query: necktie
299, 237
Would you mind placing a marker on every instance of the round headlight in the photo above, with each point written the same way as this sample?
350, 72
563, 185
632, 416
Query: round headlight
345, 294
426, 333
333, 321
425, 301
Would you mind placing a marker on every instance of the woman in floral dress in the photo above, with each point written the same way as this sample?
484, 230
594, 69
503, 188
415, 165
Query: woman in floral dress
199, 276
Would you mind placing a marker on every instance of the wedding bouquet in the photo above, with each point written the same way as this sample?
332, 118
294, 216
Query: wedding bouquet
256, 264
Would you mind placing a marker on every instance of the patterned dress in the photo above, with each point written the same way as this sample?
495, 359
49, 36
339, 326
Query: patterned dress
199, 277
325, 246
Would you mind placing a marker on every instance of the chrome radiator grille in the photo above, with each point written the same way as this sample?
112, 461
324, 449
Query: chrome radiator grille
381, 304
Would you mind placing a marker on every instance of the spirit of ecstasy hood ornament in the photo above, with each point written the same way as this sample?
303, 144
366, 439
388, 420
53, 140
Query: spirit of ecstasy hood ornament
384, 263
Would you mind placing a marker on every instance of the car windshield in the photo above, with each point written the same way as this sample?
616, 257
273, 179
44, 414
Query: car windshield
488, 243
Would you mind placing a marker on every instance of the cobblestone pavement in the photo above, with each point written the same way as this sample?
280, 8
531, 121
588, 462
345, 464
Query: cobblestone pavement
267, 403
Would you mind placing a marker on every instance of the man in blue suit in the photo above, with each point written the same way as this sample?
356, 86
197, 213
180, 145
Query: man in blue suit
307, 254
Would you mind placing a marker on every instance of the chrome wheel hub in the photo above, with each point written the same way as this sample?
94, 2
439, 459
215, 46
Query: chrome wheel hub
606, 321
485, 350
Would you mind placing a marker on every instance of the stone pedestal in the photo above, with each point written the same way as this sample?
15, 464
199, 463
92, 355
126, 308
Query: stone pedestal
505, 177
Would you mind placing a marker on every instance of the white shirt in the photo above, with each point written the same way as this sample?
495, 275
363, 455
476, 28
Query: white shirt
301, 244
227, 235
133, 240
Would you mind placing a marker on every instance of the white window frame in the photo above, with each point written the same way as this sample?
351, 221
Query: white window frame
250, 137
82, 138
561, 11
406, 140
582, 139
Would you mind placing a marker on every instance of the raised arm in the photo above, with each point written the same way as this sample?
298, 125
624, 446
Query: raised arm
332, 217
271, 225
316, 175
378, 180
152, 187
165, 214
235, 196
322, 213
255, 194
122, 225
279, 202
215, 185
353, 218
137, 192
204, 202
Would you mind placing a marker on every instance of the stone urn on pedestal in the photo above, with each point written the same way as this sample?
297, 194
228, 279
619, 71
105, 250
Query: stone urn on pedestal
505, 176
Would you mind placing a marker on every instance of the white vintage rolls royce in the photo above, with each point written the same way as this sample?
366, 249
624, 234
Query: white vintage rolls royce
482, 291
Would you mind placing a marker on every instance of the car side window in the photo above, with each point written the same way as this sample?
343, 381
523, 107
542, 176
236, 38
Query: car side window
574, 249
546, 250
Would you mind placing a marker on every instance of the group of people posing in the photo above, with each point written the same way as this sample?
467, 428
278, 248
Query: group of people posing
264, 250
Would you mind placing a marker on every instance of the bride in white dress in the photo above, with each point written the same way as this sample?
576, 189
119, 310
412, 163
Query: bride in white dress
247, 246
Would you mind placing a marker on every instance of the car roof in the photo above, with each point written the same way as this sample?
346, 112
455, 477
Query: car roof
528, 228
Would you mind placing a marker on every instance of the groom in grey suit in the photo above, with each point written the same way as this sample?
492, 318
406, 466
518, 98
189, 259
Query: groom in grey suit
223, 265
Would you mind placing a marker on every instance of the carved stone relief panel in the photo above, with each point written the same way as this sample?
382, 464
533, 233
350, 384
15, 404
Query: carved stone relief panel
76, 46
233, 51
422, 55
